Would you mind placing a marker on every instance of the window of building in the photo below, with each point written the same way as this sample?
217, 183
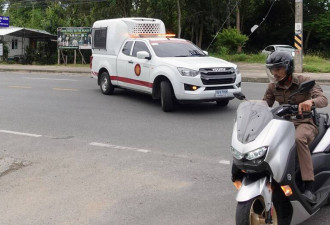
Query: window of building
14, 44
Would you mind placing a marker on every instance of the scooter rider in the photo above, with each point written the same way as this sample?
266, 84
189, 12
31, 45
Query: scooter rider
282, 84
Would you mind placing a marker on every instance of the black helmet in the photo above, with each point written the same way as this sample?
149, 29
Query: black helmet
280, 59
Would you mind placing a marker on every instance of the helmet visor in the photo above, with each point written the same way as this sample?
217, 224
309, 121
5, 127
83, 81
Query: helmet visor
270, 68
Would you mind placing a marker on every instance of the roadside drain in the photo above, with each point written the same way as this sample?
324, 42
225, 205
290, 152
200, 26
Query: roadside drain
8, 164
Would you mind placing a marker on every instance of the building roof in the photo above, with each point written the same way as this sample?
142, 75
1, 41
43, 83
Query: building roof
26, 32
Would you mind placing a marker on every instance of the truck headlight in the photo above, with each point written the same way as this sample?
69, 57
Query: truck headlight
255, 154
237, 154
237, 70
188, 72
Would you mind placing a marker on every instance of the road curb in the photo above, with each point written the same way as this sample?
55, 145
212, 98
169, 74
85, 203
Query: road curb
87, 73
266, 80
45, 71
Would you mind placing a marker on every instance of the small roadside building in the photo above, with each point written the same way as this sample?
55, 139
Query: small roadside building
18, 38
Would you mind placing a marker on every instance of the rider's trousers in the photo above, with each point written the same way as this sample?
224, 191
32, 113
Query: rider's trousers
306, 131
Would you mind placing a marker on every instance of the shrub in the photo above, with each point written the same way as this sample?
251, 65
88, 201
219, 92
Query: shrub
230, 39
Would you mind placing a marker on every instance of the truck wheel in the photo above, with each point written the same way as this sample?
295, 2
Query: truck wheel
253, 212
166, 96
105, 84
222, 102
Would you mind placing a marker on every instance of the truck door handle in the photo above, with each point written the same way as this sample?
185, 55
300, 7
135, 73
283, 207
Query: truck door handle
131, 62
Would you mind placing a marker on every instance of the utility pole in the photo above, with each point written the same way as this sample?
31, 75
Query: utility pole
298, 38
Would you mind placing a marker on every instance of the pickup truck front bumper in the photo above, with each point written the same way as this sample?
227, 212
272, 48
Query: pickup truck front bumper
205, 92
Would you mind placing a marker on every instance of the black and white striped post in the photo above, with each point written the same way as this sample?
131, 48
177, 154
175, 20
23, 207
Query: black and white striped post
298, 38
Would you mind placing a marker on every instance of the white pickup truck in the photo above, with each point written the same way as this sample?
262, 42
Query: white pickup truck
137, 54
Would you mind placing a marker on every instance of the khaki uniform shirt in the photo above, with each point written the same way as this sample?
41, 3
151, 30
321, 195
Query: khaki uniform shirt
276, 92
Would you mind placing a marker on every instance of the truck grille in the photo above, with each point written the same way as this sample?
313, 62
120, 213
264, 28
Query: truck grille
220, 75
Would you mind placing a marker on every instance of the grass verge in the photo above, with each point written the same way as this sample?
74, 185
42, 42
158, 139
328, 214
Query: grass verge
311, 63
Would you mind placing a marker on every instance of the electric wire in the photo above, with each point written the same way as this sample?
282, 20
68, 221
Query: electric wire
230, 15
236, 4
263, 19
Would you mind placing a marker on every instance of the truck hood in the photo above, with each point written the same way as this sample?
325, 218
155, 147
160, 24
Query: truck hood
196, 63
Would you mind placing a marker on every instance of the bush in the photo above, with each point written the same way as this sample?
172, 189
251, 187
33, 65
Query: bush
230, 39
43, 53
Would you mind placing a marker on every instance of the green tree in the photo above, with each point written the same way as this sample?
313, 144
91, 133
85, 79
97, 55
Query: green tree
231, 39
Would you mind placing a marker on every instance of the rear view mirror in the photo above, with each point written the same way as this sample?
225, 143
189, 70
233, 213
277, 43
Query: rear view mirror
239, 95
143, 55
306, 86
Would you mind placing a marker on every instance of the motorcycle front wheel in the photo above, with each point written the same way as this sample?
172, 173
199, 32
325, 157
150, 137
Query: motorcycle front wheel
253, 212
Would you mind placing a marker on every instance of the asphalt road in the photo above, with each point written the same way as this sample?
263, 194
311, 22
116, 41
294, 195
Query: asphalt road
79, 157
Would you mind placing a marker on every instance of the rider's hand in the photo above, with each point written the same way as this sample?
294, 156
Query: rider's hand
305, 106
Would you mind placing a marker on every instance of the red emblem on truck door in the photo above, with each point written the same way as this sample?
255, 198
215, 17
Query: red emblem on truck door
137, 69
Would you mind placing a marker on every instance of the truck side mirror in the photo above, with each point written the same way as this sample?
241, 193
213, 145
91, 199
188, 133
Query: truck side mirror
143, 55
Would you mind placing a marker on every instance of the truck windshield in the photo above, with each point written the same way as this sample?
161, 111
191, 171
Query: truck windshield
173, 48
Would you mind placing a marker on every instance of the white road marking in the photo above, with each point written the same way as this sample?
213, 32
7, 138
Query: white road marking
20, 133
97, 144
64, 89
226, 162
24, 87
37, 78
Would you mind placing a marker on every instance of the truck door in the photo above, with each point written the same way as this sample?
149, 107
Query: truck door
122, 63
138, 70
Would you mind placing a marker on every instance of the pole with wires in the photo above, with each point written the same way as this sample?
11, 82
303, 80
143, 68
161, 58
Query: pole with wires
298, 38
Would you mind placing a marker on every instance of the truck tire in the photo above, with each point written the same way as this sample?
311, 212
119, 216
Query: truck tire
105, 84
222, 103
166, 96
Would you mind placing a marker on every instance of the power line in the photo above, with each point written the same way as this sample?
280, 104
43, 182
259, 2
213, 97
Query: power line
263, 19
236, 4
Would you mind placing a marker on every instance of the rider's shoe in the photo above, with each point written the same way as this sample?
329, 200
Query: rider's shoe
310, 197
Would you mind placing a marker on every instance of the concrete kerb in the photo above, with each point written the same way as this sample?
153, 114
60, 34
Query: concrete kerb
266, 80
250, 72
60, 71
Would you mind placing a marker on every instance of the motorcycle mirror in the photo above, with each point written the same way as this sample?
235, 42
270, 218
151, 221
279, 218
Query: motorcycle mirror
239, 95
304, 87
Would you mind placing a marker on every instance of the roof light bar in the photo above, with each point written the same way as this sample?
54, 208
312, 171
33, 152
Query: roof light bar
144, 35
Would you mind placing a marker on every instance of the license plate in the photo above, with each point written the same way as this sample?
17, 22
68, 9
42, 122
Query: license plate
221, 93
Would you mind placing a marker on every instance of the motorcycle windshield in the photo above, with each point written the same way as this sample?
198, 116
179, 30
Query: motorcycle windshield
252, 117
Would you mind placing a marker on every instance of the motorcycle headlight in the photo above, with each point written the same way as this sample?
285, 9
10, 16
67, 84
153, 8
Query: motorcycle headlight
188, 72
237, 154
255, 154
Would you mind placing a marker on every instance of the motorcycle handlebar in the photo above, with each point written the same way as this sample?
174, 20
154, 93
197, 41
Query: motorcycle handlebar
291, 109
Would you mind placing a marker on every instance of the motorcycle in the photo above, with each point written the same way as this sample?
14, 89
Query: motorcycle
265, 167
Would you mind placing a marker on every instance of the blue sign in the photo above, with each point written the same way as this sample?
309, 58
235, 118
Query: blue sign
4, 21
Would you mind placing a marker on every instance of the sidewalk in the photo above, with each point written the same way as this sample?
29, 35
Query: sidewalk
251, 72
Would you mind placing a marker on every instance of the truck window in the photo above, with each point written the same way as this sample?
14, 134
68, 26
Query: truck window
173, 48
100, 38
139, 46
127, 48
